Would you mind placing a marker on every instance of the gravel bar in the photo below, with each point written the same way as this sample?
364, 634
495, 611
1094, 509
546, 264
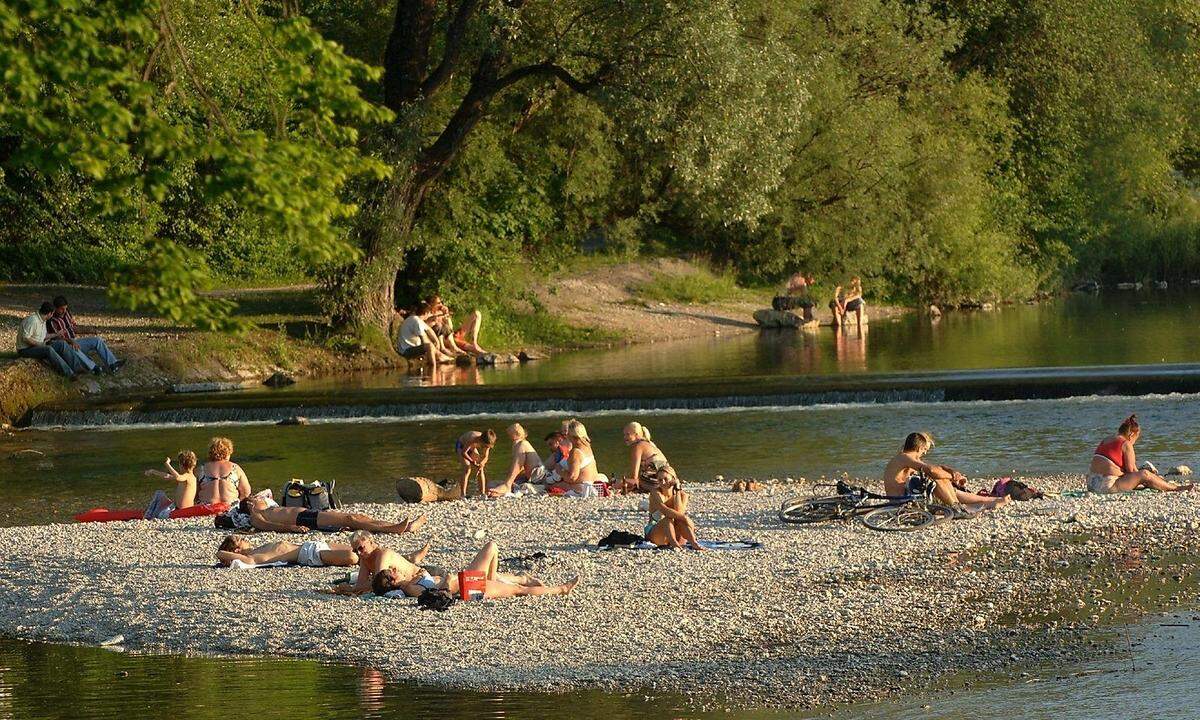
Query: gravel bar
817, 615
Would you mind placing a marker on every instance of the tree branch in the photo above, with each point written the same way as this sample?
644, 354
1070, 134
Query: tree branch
407, 52
549, 69
455, 35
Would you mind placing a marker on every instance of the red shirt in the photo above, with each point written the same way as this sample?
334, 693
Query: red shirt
63, 326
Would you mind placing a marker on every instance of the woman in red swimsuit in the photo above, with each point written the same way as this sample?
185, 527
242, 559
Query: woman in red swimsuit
1114, 465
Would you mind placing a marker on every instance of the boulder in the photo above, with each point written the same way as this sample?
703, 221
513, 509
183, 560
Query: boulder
770, 318
1180, 470
529, 356
279, 379
424, 490
1129, 286
293, 420
1160, 284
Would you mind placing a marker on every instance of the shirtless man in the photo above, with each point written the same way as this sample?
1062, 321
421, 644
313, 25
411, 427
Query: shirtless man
950, 483
268, 515
310, 554
413, 580
373, 558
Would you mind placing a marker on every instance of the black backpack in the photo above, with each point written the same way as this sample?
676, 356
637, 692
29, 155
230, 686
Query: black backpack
317, 495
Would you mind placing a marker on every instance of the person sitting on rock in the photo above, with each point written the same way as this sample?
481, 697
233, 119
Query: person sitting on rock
418, 340
669, 525
526, 463
34, 342
266, 514
463, 340
413, 581
949, 490
846, 301
648, 466
82, 340
473, 449
796, 295
373, 558
313, 553
1114, 465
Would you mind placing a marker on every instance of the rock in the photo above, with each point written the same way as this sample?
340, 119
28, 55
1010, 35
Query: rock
529, 356
114, 640
293, 420
1160, 284
496, 359
463, 360
204, 387
1129, 286
987, 306
769, 318
935, 311
1090, 286
279, 379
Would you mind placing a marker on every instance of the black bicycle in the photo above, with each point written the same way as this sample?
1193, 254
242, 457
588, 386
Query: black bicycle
885, 513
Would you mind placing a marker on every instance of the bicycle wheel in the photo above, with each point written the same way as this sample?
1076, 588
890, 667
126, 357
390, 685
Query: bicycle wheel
898, 518
804, 512
941, 513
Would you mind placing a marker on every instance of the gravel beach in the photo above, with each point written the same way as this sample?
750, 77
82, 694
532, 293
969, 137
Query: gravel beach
817, 615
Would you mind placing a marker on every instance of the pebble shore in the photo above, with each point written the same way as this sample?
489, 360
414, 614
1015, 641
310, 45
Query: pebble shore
818, 615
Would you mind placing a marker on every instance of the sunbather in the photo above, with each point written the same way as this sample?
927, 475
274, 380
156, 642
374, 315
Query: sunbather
669, 524
373, 557
313, 553
581, 462
219, 479
556, 462
413, 580
266, 514
1114, 465
526, 463
648, 466
950, 484
185, 484
473, 449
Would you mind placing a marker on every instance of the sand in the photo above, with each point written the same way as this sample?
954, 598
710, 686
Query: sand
818, 614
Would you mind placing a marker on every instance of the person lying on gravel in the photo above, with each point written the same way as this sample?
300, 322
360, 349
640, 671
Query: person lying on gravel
669, 525
313, 553
648, 466
526, 463
372, 558
473, 449
413, 581
1114, 465
949, 490
266, 514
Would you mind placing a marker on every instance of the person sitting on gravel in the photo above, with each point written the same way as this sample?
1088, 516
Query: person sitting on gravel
1114, 465
266, 514
556, 462
950, 484
373, 558
34, 342
220, 480
526, 463
581, 462
82, 340
669, 525
313, 553
648, 466
185, 485
473, 448
417, 339
413, 581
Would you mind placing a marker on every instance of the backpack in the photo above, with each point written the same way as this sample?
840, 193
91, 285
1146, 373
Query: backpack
439, 600
316, 495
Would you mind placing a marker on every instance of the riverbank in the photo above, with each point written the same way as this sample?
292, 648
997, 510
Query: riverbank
816, 616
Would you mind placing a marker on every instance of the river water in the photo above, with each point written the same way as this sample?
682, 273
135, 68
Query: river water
47, 474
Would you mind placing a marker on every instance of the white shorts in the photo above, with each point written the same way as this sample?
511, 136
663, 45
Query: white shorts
310, 553
1101, 484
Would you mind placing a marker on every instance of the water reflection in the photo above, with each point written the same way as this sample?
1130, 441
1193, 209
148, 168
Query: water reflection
851, 345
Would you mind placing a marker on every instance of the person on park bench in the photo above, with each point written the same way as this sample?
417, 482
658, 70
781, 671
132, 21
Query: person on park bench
413, 581
949, 483
313, 553
34, 342
82, 340
266, 514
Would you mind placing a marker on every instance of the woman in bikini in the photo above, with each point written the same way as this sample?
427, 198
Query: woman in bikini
1114, 465
669, 524
220, 480
648, 466
526, 463
581, 463
413, 580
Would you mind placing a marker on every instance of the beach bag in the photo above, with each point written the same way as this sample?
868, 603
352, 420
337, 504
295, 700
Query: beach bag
317, 495
438, 600
620, 538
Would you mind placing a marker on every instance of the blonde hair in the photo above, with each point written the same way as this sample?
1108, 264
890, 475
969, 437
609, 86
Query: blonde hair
361, 535
639, 430
518, 430
577, 431
221, 448
566, 425
186, 460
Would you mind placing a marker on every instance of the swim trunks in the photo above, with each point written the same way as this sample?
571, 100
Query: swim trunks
310, 553
308, 519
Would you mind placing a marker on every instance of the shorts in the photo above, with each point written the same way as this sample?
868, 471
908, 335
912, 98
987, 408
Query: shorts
411, 352
1101, 484
310, 553
855, 304
308, 519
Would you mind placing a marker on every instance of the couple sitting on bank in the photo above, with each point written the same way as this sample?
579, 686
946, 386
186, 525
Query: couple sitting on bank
428, 333
52, 336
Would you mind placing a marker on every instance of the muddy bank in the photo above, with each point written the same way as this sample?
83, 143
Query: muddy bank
817, 615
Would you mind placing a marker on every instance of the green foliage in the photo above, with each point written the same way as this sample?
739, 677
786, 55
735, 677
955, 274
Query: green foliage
698, 287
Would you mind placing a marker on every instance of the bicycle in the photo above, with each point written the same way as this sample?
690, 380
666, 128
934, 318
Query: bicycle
885, 513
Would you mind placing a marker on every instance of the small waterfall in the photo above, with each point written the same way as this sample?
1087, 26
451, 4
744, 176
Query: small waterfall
416, 410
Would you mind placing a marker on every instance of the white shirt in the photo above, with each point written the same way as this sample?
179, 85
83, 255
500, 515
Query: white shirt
32, 332
412, 331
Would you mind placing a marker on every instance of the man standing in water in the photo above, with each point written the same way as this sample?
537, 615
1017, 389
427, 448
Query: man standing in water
949, 483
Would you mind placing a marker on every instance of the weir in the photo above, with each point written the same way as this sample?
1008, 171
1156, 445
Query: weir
332, 403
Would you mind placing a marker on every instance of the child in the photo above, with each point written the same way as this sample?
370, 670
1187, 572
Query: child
185, 485
473, 448
526, 463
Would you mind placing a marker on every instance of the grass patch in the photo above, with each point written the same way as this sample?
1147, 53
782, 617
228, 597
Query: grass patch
509, 327
700, 287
